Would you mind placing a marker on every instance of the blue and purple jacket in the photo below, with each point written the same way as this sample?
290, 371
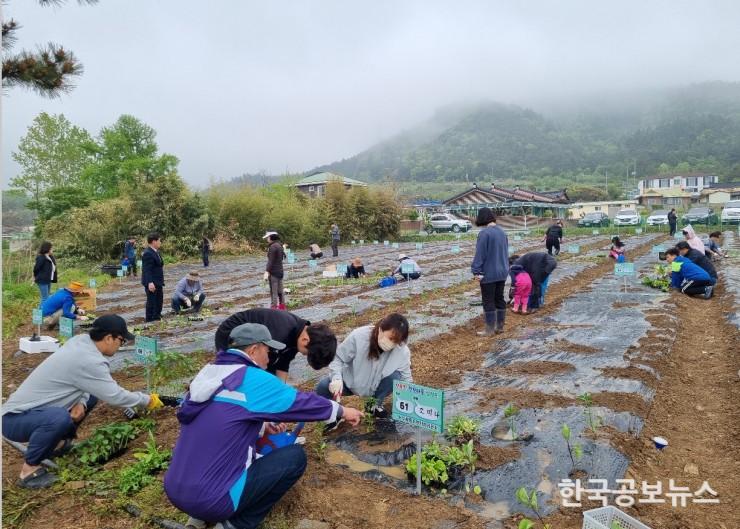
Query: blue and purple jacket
220, 421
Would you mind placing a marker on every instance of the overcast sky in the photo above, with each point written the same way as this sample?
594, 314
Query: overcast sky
237, 86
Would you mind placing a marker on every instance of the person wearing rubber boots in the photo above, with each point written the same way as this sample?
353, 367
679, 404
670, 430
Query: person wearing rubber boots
490, 268
274, 270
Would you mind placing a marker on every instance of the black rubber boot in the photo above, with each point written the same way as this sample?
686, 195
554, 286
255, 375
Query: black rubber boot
500, 318
490, 324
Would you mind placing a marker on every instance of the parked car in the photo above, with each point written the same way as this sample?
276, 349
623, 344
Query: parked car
658, 218
731, 212
700, 216
448, 222
598, 218
627, 217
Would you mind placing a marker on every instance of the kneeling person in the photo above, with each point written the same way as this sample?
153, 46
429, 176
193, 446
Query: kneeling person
214, 475
316, 341
63, 303
50, 404
188, 293
689, 278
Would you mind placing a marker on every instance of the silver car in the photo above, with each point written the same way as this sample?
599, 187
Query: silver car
448, 222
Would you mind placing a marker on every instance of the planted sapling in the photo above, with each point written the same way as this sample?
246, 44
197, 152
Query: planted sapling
592, 420
529, 500
510, 412
575, 452
463, 429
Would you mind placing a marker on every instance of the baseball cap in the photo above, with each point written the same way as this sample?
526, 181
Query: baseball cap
251, 333
113, 324
402, 256
268, 233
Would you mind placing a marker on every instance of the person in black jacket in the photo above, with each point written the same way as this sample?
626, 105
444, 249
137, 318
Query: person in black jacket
274, 270
539, 266
672, 221
152, 277
45, 270
696, 257
205, 250
553, 237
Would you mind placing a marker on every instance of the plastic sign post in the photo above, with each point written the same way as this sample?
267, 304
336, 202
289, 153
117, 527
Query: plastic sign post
291, 258
312, 263
406, 270
92, 283
342, 270
139, 263
512, 250
517, 237
386, 243
624, 270
119, 274
395, 245
658, 248
419, 245
66, 327
638, 231
595, 232
38, 318
145, 350
574, 248
375, 242
362, 241
455, 248
421, 407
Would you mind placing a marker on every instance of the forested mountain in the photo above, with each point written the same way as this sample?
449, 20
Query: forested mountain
691, 128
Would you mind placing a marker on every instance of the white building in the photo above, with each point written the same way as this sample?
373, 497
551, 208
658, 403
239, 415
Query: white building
688, 183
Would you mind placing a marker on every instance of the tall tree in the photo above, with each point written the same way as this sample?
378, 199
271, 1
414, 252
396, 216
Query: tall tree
52, 154
126, 153
48, 70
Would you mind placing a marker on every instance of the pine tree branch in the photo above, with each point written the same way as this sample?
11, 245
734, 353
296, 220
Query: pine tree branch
9, 36
47, 71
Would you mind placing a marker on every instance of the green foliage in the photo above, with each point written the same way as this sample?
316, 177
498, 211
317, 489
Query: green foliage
133, 478
510, 412
529, 500
592, 420
575, 452
171, 365
657, 282
463, 429
437, 462
107, 441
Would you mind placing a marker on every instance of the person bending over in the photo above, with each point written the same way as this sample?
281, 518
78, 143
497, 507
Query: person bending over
689, 278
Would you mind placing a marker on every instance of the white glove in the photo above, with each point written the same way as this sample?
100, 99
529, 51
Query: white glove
266, 276
187, 302
335, 388
81, 312
196, 298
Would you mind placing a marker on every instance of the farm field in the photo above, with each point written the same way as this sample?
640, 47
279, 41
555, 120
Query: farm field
616, 361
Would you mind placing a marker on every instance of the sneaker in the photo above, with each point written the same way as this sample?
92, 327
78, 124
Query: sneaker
379, 412
331, 426
708, 292
194, 523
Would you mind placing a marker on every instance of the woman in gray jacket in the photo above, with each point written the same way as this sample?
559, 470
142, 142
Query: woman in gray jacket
368, 361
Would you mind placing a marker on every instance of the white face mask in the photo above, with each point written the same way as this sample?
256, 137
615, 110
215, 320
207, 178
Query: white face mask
385, 343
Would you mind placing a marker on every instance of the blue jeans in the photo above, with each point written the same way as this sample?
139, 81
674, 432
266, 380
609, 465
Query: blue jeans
268, 479
42, 428
381, 392
44, 288
537, 297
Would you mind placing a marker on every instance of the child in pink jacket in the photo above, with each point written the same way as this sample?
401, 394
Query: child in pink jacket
521, 287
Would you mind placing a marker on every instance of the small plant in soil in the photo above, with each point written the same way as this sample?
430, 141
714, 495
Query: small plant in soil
592, 420
510, 412
133, 478
368, 420
463, 429
575, 451
107, 441
171, 365
529, 500
438, 463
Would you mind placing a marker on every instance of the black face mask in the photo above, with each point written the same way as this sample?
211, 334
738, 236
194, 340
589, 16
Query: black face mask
685, 233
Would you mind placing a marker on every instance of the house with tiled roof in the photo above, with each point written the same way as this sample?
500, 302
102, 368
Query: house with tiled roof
315, 185
500, 198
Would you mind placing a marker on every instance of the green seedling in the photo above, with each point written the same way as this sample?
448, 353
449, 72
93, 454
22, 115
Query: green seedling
368, 420
574, 451
437, 461
659, 283
463, 429
529, 500
135, 477
593, 420
106, 441
171, 365
510, 412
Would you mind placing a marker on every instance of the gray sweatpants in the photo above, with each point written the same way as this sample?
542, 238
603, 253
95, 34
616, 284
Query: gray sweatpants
276, 291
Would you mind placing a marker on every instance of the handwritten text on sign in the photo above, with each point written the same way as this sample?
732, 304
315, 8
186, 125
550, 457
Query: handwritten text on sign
418, 406
624, 269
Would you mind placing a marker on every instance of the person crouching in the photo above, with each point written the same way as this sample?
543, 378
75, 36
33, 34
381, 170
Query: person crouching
188, 294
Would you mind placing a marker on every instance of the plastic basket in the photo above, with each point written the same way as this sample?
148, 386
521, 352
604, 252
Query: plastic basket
603, 517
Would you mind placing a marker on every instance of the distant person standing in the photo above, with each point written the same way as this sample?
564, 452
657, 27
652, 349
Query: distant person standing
45, 270
553, 237
205, 249
274, 270
129, 252
672, 221
490, 267
335, 235
152, 277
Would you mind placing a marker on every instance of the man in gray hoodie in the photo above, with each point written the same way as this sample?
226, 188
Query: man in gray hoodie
50, 404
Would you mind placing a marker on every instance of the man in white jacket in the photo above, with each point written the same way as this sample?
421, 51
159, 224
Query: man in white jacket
50, 404
368, 361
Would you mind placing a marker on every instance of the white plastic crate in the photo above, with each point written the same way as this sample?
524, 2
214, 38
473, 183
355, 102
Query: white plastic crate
603, 517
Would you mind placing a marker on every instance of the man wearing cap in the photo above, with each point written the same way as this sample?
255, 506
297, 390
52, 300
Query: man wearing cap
49, 405
404, 259
188, 293
274, 270
214, 475
316, 341
62, 303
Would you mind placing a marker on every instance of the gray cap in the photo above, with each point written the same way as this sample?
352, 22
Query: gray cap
251, 333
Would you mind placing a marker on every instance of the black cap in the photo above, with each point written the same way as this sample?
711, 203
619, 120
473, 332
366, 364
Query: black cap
113, 324
683, 245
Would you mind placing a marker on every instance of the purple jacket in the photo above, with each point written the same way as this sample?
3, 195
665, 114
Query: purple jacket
220, 421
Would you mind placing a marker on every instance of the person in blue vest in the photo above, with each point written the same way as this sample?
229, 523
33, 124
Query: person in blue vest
152, 277
215, 475
62, 303
689, 278
129, 253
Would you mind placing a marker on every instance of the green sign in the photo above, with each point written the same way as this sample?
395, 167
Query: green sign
66, 327
93, 283
455, 249
395, 245
658, 248
517, 237
386, 243
145, 349
38, 317
595, 232
354, 242
678, 236
418, 406
362, 241
638, 231
624, 269
139, 264
511, 250
419, 245
574, 248
375, 242
342, 269
291, 258
313, 263
407, 268
119, 272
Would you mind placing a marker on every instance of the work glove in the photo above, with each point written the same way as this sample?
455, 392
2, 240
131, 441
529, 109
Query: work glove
154, 402
81, 312
335, 388
266, 276
196, 298
187, 302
